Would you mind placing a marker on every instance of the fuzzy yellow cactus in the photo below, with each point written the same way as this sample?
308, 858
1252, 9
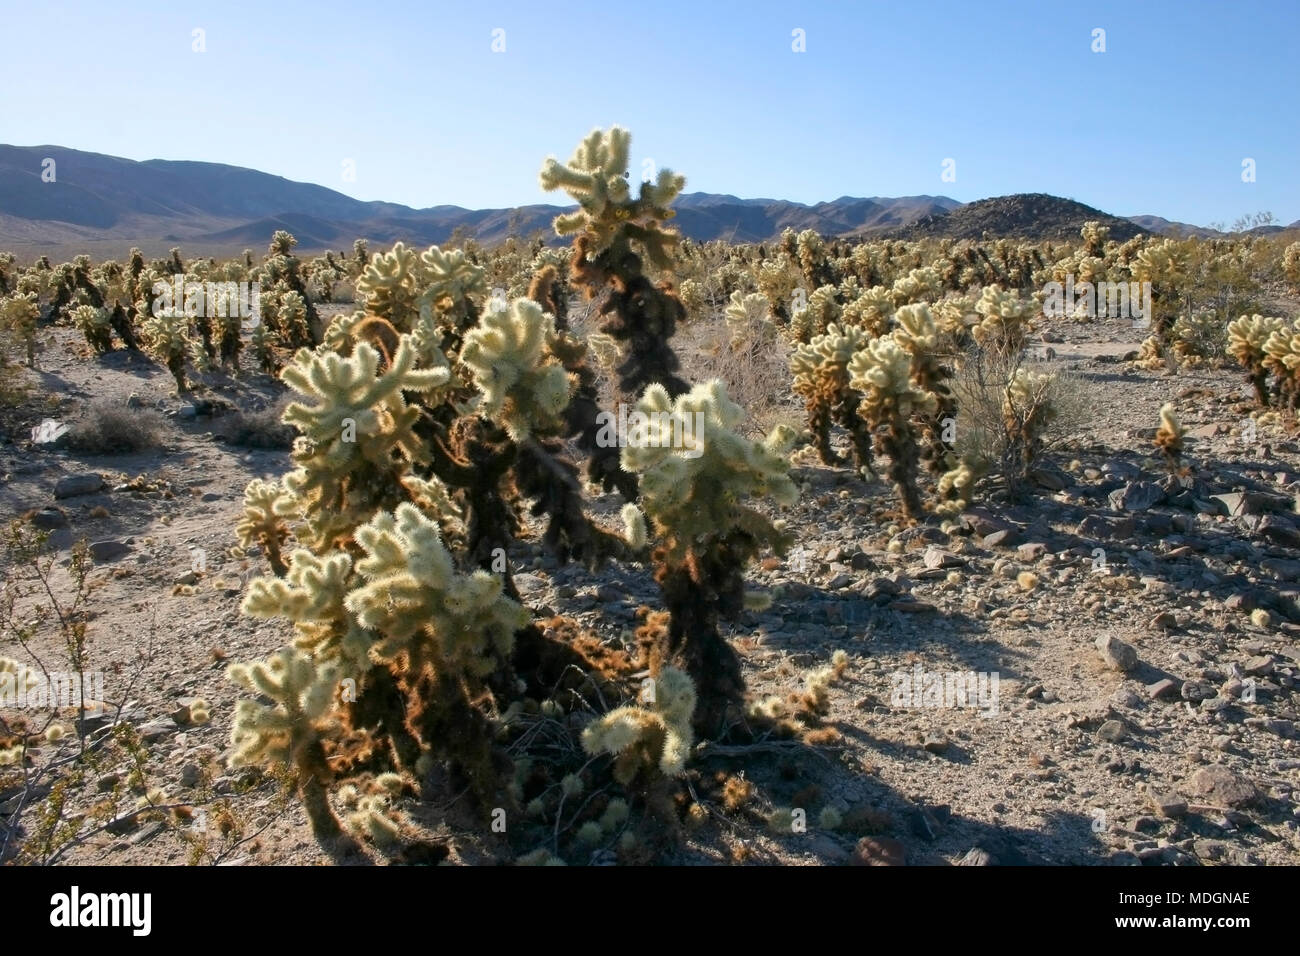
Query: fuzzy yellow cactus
821, 379
167, 335
749, 317
391, 285
872, 310
266, 506
656, 737
821, 310
1247, 338
919, 285
522, 387
1169, 437
412, 591
1027, 410
95, 326
882, 372
351, 417
287, 731
596, 177
1004, 320
1282, 358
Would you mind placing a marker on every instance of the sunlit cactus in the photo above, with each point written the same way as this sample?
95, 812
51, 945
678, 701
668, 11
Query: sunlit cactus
1247, 340
655, 738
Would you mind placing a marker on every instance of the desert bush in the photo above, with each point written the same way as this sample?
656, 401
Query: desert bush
109, 428
259, 428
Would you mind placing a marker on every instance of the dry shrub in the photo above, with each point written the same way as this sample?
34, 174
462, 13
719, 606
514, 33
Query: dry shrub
108, 428
1008, 446
257, 428
754, 365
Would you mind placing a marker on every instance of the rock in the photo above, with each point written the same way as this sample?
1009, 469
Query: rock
1099, 528
108, 550
107, 782
839, 581
1239, 503
1111, 731
879, 851
1196, 691
70, 486
1245, 601
1031, 551
1049, 477
935, 743
1258, 666
1220, 787
187, 412
1164, 621
976, 856
1162, 689
911, 606
1279, 531
1168, 804
1004, 538
157, 729
1116, 654
188, 578
1137, 496
191, 775
48, 519
134, 401
938, 558
50, 435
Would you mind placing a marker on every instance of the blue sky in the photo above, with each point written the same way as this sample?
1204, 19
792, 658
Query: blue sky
414, 95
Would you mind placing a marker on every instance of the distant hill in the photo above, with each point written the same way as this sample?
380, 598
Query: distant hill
99, 202
1022, 216
1163, 227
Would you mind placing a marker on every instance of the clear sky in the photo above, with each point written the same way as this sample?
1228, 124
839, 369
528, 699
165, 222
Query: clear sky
414, 95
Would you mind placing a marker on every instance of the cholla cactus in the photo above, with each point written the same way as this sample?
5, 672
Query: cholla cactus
1197, 338
292, 320
1247, 338
266, 505
596, 177
648, 739
287, 732
871, 311
1027, 410
695, 472
882, 372
1164, 265
822, 309
917, 286
167, 334
1283, 360
95, 326
1169, 438
356, 432
523, 388
918, 333
1291, 265
608, 228
777, 279
1005, 320
821, 379
749, 317
18, 315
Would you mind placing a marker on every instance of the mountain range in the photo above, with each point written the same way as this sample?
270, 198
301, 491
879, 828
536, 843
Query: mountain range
104, 202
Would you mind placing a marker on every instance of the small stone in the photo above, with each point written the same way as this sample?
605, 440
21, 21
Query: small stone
1165, 621
1220, 787
1259, 666
939, 558
157, 729
1137, 496
189, 577
48, 519
935, 743
1168, 804
1116, 653
187, 412
108, 781
72, 486
879, 851
840, 581
191, 775
1196, 691
1111, 731
109, 550
976, 856
1004, 538
1031, 551
1162, 689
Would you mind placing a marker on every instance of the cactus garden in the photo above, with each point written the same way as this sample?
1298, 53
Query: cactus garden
605, 546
